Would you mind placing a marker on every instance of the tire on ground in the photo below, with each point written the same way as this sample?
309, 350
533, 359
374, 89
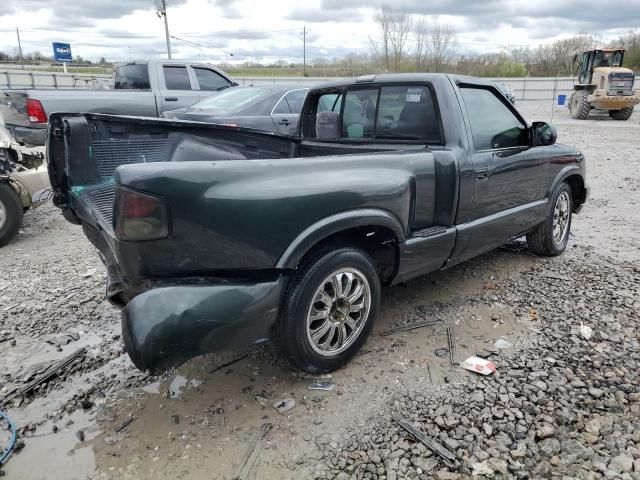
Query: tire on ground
289, 334
540, 241
11, 213
622, 114
579, 105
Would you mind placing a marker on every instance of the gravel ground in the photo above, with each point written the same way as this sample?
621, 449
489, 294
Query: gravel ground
560, 405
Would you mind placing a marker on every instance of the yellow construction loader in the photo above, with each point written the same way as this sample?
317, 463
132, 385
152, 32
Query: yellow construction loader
603, 84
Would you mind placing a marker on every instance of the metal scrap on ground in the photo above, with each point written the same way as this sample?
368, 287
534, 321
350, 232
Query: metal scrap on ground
50, 372
413, 326
124, 424
449, 459
453, 347
252, 453
319, 384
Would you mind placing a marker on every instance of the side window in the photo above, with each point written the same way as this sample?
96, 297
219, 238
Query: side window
295, 99
330, 102
359, 115
176, 78
407, 113
210, 80
493, 125
282, 107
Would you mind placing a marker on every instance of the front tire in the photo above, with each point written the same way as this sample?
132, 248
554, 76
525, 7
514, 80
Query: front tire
622, 114
11, 213
550, 237
579, 105
329, 311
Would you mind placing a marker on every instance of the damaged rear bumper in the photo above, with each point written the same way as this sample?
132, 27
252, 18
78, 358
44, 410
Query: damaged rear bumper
166, 326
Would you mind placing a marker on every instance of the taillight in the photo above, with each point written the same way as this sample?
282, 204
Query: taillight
36, 111
140, 216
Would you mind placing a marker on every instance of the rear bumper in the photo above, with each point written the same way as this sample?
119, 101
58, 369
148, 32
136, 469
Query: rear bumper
166, 326
31, 136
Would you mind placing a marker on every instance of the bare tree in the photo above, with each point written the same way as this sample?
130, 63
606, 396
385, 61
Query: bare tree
442, 44
391, 43
420, 34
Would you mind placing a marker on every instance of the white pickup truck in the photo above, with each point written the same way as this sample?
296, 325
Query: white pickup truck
142, 88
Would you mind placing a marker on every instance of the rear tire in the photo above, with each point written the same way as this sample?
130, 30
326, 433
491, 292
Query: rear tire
622, 114
579, 105
329, 311
11, 213
551, 236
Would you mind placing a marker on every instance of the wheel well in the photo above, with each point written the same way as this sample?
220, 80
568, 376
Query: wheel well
379, 242
577, 189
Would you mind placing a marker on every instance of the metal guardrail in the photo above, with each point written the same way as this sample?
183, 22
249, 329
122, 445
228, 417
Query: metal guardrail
525, 88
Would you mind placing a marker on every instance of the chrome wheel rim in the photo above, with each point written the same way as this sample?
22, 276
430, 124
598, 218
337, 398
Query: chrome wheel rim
338, 312
3, 215
561, 215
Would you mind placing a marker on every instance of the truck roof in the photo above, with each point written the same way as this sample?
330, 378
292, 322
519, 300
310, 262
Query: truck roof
398, 78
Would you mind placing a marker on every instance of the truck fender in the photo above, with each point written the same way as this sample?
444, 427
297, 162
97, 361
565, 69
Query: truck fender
565, 173
334, 224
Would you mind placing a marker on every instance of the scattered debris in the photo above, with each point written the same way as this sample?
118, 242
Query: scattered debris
89, 273
413, 326
225, 365
449, 459
442, 352
479, 365
124, 424
484, 354
48, 373
252, 454
453, 346
64, 339
80, 435
175, 419
319, 384
502, 344
283, 406
586, 331
176, 386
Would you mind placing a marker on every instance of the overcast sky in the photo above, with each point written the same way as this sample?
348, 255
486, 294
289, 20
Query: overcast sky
271, 29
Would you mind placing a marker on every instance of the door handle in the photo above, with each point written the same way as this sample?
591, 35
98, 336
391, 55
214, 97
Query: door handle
284, 122
482, 174
170, 99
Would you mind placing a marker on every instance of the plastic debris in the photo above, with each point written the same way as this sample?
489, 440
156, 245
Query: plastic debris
319, 384
479, 365
586, 331
502, 344
283, 406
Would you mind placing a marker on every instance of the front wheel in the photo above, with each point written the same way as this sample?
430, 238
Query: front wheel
11, 213
622, 114
550, 237
331, 306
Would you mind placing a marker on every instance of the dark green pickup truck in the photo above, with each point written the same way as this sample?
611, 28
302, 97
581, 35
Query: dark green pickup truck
215, 236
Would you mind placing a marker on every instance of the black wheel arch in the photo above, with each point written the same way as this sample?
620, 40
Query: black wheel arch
573, 175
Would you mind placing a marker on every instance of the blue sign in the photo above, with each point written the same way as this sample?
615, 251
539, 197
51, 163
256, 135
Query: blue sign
61, 52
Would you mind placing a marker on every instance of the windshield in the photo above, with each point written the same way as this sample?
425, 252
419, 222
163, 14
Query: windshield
233, 98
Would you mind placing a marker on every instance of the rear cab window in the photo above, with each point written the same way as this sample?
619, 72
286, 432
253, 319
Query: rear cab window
376, 113
132, 76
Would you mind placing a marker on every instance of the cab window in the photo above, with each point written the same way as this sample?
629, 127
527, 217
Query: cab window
493, 124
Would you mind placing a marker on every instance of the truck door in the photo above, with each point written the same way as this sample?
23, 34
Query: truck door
510, 177
177, 87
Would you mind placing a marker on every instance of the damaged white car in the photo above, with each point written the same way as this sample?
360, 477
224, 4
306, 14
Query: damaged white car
24, 182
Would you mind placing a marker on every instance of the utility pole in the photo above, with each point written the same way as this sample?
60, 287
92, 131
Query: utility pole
304, 51
19, 45
163, 13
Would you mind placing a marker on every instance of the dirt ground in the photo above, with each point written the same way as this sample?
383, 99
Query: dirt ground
200, 420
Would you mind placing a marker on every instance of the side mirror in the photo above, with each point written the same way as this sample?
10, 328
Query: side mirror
543, 133
235, 84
